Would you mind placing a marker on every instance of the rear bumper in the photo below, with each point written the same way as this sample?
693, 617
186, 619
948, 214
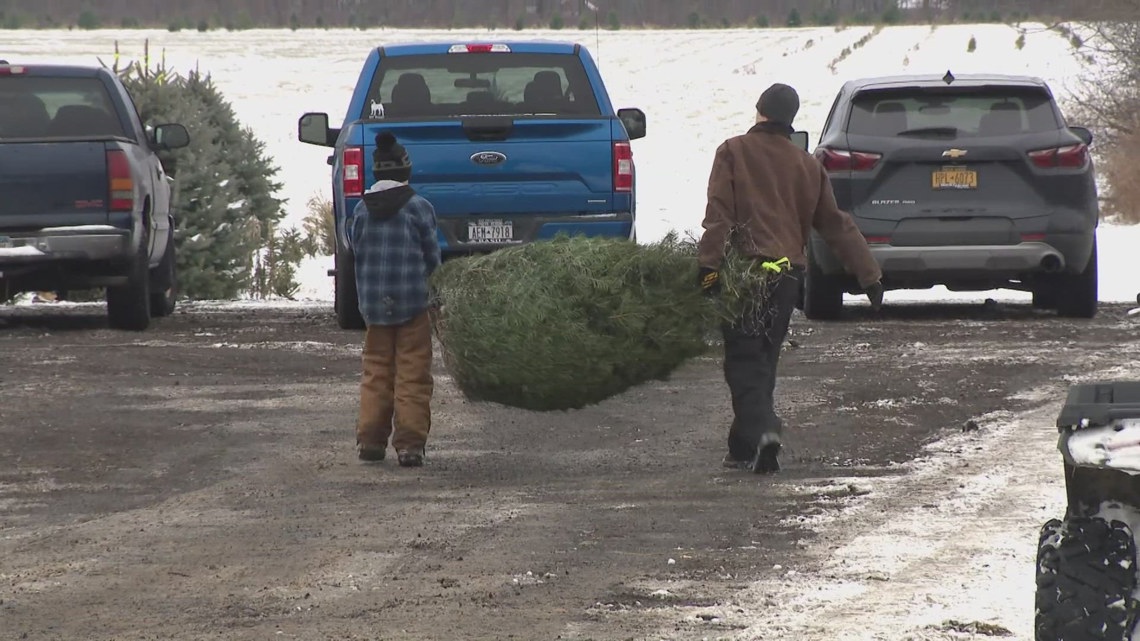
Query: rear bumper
91, 243
924, 265
1008, 259
67, 258
454, 234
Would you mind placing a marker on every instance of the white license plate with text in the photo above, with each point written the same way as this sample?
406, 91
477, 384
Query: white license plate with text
490, 231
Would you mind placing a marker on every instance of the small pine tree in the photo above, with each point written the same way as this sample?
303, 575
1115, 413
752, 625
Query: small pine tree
556, 22
520, 24
614, 23
794, 19
972, 45
694, 20
762, 22
223, 190
319, 227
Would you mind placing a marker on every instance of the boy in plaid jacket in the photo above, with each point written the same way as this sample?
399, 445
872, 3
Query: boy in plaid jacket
392, 233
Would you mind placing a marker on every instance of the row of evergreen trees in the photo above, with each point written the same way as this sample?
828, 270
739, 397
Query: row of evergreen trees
229, 235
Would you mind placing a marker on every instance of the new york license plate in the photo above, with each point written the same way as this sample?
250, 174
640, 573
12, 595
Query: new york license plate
954, 178
490, 231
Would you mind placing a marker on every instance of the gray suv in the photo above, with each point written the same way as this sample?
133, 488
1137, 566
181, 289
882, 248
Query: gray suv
973, 182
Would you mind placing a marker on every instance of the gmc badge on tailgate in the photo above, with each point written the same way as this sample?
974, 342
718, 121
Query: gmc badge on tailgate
487, 158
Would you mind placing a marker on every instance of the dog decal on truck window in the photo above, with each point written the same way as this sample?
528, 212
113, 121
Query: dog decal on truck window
377, 109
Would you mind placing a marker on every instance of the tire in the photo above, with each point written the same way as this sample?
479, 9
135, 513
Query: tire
128, 306
164, 282
1077, 294
822, 294
1045, 295
1086, 572
346, 303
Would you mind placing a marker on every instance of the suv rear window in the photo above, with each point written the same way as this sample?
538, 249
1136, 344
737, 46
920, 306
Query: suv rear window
989, 111
42, 107
463, 84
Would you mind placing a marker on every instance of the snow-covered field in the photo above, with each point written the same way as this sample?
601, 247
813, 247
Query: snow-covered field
696, 87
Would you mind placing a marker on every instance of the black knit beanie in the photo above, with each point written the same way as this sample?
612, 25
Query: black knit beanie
390, 160
779, 103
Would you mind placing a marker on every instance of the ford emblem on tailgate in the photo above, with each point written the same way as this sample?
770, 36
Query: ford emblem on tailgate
487, 158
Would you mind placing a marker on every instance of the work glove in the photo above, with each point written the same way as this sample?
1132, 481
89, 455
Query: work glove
874, 293
709, 281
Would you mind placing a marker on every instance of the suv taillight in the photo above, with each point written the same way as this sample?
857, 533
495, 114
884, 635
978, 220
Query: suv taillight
844, 160
353, 178
623, 166
1071, 156
120, 183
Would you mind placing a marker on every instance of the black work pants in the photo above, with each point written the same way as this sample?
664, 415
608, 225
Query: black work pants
751, 354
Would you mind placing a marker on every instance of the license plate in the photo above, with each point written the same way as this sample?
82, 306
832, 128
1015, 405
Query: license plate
490, 231
954, 178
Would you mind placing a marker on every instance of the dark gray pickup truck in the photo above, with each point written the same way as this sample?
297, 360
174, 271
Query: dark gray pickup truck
84, 197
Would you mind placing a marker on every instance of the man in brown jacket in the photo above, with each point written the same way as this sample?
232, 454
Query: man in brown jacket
765, 195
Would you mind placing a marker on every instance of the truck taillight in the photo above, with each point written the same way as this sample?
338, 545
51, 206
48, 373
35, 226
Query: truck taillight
6, 70
1071, 157
120, 182
353, 181
623, 166
844, 160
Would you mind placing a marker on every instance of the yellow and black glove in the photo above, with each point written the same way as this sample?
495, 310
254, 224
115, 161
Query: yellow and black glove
709, 281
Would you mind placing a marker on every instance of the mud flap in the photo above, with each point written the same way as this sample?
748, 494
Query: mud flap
1086, 576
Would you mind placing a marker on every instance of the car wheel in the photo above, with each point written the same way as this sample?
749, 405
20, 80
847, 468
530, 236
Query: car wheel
1077, 294
346, 302
1085, 578
822, 294
1045, 295
164, 282
128, 305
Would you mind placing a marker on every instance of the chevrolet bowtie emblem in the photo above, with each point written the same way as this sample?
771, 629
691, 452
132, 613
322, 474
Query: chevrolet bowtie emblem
954, 153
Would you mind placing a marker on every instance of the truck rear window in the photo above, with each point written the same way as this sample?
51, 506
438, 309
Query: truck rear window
44, 107
988, 111
462, 84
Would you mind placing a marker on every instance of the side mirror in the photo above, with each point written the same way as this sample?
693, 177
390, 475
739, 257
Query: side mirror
171, 136
801, 139
1083, 133
634, 121
313, 128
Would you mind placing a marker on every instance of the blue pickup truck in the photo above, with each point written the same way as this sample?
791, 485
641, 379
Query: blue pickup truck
84, 198
512, 142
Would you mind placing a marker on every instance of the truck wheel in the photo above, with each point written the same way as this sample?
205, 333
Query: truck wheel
823, 296
346, 303
1077, 293
1086, 572
128, 306
164, 282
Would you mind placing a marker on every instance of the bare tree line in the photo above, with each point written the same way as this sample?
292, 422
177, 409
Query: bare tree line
509, 13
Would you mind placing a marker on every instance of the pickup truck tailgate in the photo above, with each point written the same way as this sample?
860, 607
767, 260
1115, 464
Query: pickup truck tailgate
507, 166
50, 181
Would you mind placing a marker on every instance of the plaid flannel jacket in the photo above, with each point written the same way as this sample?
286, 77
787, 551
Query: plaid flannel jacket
396, 251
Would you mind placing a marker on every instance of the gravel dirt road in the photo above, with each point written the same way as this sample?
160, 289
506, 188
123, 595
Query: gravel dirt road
199, 481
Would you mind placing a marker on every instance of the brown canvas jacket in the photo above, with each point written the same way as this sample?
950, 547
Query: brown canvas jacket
772, 194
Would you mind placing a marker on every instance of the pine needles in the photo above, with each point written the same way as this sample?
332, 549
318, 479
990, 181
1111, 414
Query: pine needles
569, 322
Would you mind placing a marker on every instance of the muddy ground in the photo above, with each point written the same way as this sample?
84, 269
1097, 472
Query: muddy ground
198, 481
